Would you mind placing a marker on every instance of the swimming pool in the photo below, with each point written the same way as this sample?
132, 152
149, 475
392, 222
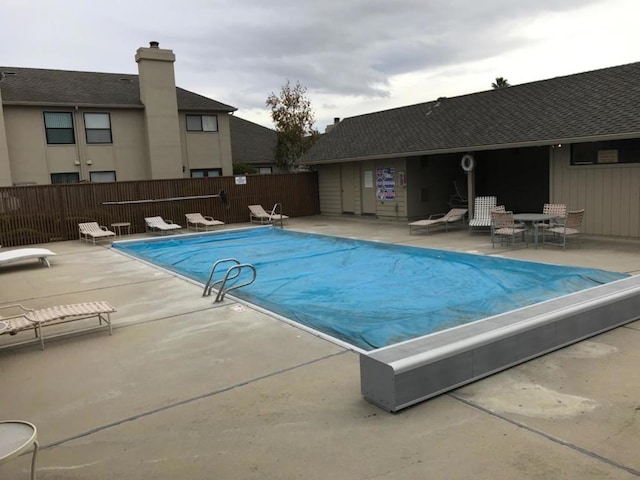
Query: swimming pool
367, 294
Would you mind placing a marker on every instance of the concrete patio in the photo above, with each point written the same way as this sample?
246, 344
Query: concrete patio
189, 389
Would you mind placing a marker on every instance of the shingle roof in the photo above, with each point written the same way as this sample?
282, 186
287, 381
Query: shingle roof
252, 143
70, 88
597, 104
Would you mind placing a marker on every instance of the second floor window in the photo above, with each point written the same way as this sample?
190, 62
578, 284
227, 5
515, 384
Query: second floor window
202, 123
97, 127
59, 127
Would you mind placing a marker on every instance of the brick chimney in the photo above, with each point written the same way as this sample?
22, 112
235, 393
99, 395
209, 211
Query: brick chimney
158, 95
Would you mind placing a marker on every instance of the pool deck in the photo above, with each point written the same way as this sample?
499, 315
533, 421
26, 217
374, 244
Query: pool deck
188, 389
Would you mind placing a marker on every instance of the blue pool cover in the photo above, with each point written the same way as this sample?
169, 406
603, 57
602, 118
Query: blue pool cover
367, 294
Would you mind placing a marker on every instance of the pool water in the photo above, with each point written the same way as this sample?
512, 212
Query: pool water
367, 294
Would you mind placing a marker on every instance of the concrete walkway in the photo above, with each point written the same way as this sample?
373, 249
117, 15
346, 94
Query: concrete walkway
188, 389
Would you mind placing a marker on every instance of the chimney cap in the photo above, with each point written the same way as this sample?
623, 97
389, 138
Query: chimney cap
154, 44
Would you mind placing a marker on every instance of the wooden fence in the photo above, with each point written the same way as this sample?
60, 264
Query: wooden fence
49, 213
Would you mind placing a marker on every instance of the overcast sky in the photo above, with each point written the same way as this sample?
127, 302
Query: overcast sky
354, 56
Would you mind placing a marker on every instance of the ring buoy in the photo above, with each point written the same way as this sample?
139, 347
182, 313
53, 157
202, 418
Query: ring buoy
468, 163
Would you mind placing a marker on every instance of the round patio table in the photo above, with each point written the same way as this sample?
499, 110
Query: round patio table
16, 437
533, 219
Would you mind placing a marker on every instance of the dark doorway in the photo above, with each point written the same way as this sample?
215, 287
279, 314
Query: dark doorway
518, 177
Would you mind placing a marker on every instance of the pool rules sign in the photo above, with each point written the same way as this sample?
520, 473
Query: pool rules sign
385, 184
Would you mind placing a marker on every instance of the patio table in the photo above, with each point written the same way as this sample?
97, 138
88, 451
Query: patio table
16, 437
532, 220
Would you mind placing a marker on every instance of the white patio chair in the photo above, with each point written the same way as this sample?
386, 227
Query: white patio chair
160, 225
482, 207
198, 221
92, 231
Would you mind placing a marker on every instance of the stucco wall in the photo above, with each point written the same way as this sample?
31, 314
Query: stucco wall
207, 149
33, 160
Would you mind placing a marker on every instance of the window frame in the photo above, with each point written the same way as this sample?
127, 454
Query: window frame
97, 172
87, 130
201, 126
205, 171
49, 130
583, 154
52, 176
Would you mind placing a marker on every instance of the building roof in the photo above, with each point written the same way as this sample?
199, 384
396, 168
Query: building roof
252, 143
35, 86
596, 105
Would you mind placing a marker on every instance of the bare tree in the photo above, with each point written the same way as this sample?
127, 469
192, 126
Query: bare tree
293, 118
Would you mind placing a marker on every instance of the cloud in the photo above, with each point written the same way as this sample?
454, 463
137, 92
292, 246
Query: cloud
347, 53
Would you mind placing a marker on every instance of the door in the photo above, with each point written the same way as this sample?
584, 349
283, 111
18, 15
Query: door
347, 180
368, 188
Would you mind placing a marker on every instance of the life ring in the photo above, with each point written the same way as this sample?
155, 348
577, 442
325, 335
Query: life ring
468, 163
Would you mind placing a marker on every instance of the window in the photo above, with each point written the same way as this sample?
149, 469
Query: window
264, 170
202, 123
97, 127
59, 127
206, 172
102, 177
606, 152
57, 178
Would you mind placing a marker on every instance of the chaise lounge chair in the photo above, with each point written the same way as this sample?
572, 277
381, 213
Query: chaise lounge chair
453, 216
158, 224
20, 254
92, 231
258, 214
198, 221
482, 207
28, 318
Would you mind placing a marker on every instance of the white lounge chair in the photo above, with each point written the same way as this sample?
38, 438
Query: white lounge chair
158, 224
92, 231
28, 318
453, 216
258, 214
198, 221
20, 254
482, 207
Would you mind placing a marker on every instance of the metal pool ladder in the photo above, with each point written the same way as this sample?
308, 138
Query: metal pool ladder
232, 272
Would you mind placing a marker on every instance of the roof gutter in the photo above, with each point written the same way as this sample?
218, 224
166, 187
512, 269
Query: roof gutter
71, 105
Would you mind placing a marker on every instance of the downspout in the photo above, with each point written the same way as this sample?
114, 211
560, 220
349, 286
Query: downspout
78, 162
